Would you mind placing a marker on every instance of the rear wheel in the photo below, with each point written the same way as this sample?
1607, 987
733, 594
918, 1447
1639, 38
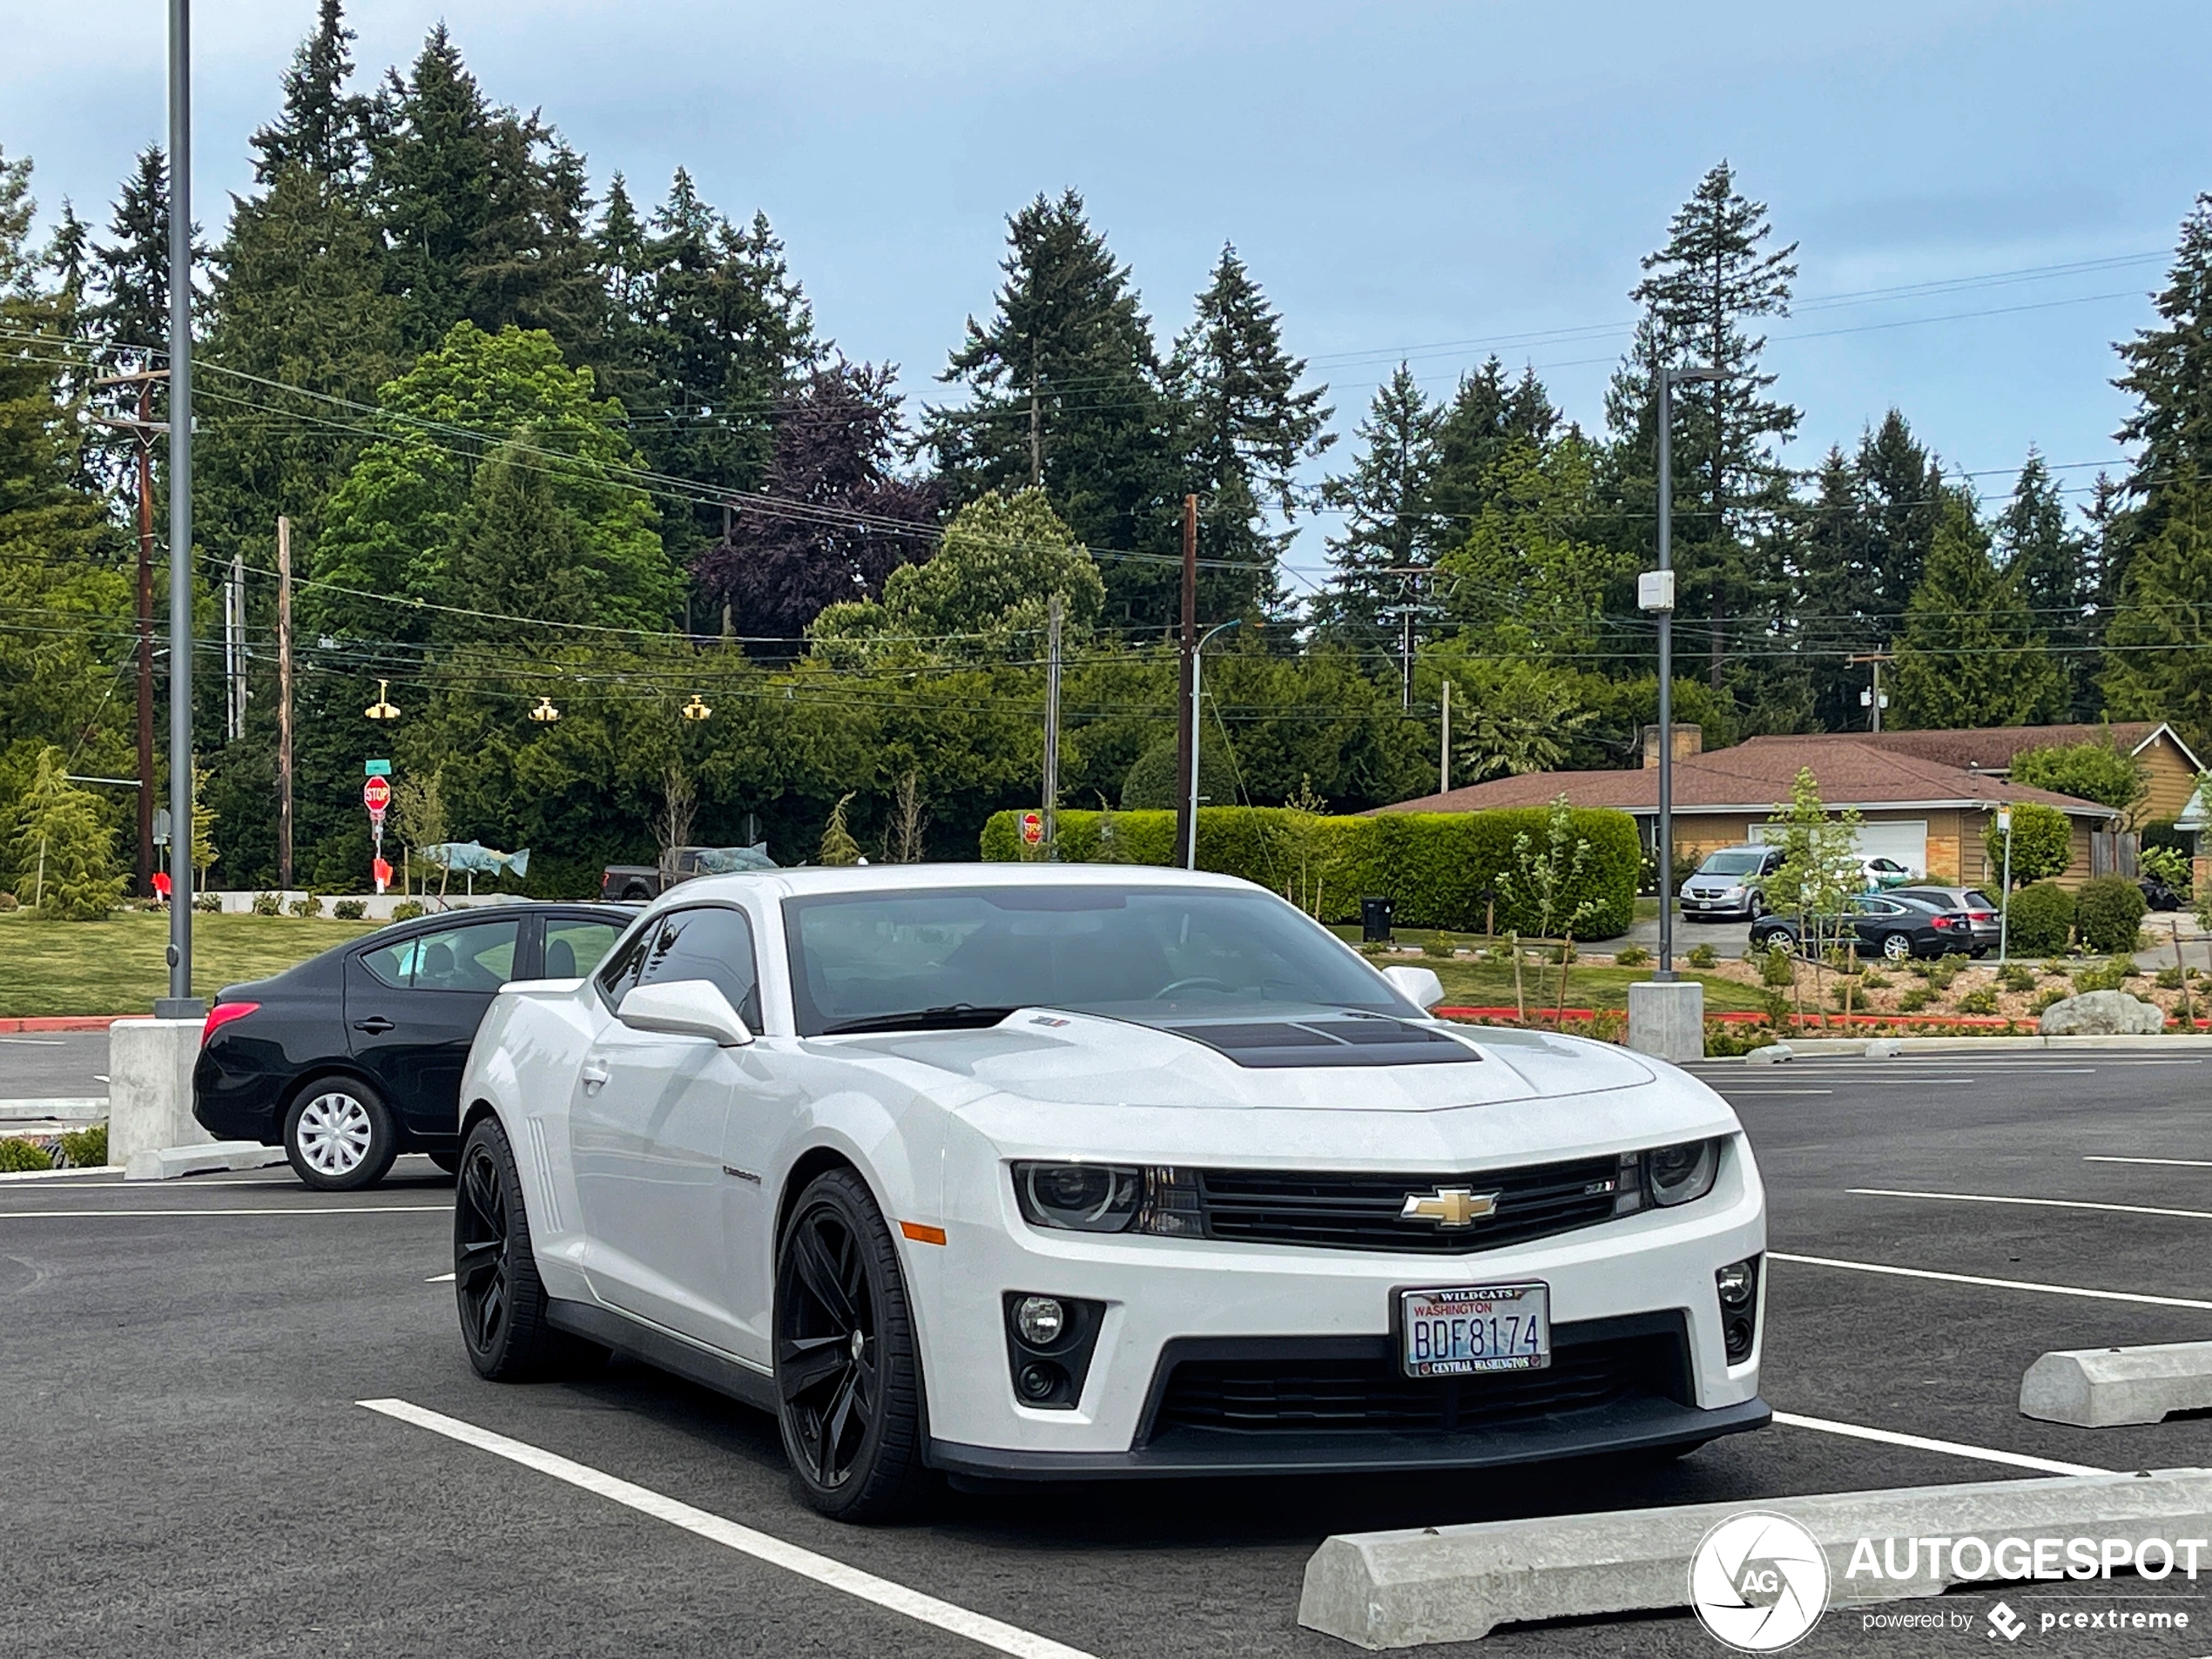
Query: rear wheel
339, 1135
501, 1299
847, 1377
1897, 947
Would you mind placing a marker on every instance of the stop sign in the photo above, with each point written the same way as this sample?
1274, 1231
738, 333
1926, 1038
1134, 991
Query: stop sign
1033, 827
376, 793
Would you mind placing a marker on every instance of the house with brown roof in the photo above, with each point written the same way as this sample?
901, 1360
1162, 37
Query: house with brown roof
1928, 813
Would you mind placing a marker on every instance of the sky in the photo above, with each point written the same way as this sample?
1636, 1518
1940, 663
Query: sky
1426, 182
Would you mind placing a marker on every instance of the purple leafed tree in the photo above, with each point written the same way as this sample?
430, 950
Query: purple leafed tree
837, 521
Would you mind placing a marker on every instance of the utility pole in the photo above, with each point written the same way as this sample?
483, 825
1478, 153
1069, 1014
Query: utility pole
1444, 757
1873, 701
283, 704
1186, 731
142, 430
1052, 731
1405, 614
180, 1003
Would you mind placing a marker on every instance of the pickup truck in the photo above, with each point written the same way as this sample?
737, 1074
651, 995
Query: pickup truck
622, 882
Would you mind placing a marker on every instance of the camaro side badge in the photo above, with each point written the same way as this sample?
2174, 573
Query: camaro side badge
1449, 1206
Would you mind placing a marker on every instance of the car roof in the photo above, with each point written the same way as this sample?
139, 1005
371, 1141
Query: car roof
805, 881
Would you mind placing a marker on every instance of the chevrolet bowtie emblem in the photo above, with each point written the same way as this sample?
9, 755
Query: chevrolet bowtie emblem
1449, 1206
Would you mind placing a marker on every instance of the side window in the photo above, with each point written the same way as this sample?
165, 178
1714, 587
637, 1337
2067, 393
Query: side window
393, 964
618, 976
709, 943
574, 947
479, 957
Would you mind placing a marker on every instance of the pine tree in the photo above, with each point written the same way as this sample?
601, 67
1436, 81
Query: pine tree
1903, 485
1835, 615
1388, 521
1487, 414
1971, 654
2049, 563
1701, 295
1249, 427
2158, 649
2169, 375
323, 127
134, 316
1063, 389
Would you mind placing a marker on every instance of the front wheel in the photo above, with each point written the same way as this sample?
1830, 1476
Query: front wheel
339, 1135
848, 1381
1897, 947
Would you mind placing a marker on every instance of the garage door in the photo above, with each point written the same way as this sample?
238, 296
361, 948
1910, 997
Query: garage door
1906, 842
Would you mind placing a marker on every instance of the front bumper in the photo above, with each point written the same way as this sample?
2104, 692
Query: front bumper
1168, 1301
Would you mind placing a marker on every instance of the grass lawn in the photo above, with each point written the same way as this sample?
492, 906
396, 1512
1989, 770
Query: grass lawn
119, 965
1489, 985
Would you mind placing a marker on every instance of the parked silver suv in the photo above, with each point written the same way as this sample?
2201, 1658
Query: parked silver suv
1727, 886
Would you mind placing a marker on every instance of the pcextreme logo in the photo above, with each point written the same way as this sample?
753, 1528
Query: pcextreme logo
1758, 1582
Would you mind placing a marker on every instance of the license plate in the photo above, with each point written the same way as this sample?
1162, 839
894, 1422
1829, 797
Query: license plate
1461, 1330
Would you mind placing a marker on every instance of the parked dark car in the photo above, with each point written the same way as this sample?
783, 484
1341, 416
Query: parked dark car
2157, 895
354, 1056
1986, 920
1887, 924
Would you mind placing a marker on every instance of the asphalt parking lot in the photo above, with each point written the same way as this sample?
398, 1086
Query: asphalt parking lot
50, 1065
189, 1470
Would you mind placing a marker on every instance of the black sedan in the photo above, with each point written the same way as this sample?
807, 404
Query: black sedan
1888, 924
354, 1056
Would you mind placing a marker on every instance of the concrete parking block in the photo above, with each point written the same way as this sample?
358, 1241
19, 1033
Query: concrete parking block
166, 1162
1403, 1590
150, 1065
2106, 1387
1773, 1055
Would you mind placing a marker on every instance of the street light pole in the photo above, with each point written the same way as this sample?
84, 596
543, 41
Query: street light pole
1198, 663
180, 1003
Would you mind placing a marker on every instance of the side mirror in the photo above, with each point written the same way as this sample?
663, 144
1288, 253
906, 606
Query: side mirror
685, 1008
1419, 986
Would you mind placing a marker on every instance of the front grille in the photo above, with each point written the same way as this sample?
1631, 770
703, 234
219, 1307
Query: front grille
1361, 1211
1291, 1394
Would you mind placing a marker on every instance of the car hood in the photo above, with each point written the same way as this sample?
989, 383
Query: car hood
1054, 1057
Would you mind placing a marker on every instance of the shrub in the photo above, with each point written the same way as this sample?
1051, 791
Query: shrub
207, 903
268, 904
9, 901
308, 905
349, 909
1981, 1001
1776, 968
19, 1157
1443, 869
1875, 980
2047, 998
1437, 946
2109, 913
85, 1148
2041, 920
1704, 956
1916, 999
2169, 979
2099, 770
1725, 1038
2014, 977
1152, 783
2101, 976
1942, 971
1631, 956
2042, 842
407, 910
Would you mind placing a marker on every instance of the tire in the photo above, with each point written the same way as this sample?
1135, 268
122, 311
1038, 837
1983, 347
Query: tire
1897, 947
446, 1158
848, 1378
497, 1290
1781, 937
339, 1135
1757, 908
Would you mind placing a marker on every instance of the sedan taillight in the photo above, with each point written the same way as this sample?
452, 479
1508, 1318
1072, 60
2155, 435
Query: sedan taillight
222, 1014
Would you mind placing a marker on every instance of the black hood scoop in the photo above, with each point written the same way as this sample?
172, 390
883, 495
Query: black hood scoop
1324, 1040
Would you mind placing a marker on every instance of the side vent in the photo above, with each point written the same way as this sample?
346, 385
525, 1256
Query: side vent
549, 1194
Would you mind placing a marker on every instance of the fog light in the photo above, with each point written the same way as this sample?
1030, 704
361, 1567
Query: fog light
1038, 1382
1737, 1286
1736, 1283
1040, 1319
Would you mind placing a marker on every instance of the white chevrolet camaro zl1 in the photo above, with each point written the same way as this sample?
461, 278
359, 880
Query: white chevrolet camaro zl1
1065, 1172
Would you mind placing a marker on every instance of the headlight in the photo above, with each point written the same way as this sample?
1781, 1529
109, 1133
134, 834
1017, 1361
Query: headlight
1108, 1198
1679, 1174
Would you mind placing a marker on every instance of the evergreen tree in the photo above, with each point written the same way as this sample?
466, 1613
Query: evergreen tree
2049, 563
2169, 375
1249, 427
1487, 415
323, 127
1388, 521
1063, 389
1701, 295
1835, 615
62, 845
1903, 484
2158, 649
836, 436
1971, 654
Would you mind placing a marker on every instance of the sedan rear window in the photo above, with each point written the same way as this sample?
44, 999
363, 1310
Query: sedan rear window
478, 956
1148, 955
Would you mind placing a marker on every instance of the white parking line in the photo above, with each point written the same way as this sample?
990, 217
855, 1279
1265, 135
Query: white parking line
1994, 1284
2179, 1164
439, 1278
1747, 1094
327, 1209
1920, 1443
2040, 1204
880, 1592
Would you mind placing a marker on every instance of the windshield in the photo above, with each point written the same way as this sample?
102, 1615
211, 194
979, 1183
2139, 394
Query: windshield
1736, 861
1153, 956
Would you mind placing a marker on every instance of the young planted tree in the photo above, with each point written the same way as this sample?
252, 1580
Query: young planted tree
838, 845
1820, 869
1545, 883
62, 846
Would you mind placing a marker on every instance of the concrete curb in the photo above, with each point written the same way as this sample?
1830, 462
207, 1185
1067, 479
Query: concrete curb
2105, 1387
1402, 1589
16, 1025
56, 1174
1806, 1048
84, 1106
166, 1162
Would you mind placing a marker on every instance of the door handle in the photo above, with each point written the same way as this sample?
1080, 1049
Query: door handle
376, 1025
595, 1076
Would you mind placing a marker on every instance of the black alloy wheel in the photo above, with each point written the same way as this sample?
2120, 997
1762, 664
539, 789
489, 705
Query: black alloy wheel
847, 1380
502, 1302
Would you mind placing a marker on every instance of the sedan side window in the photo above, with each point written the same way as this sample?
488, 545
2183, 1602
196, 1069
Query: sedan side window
574, 947
479, 956
709, 943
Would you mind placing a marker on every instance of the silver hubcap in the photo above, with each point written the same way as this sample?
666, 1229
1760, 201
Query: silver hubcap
334, 1133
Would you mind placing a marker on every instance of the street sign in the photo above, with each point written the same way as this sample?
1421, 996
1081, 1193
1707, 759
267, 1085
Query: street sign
376, 768
376, 795
1033, 829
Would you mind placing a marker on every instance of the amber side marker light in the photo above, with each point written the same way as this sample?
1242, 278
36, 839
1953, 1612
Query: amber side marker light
921, 1234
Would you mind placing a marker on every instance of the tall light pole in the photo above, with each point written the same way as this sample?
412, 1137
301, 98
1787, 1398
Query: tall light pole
180, 1003
1190, 795
1658, 596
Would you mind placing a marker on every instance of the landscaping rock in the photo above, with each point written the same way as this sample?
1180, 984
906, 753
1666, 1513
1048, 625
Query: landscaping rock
2102, 1014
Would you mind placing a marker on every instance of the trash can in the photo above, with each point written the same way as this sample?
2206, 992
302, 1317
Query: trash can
1374, 920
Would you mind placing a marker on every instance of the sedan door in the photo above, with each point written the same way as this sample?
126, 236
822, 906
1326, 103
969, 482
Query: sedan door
413, 1007
647, 1123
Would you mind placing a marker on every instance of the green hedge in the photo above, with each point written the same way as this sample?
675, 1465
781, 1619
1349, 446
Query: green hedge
2041, 922
1437, 867
2108, 910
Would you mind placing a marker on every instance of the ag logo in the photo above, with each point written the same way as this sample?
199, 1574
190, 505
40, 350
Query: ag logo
1758, 1582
